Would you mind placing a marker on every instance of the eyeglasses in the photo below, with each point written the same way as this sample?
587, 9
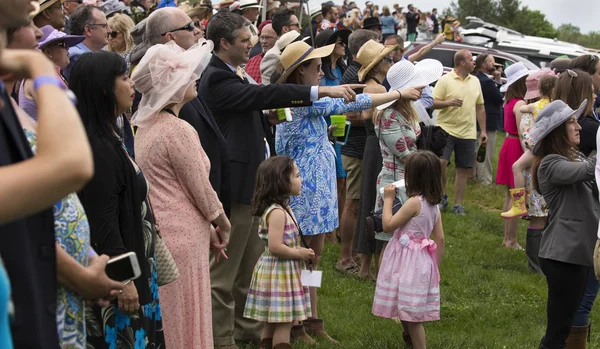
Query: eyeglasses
294, 25
189, 27
61, 44
102, 25
268, 38
114, 34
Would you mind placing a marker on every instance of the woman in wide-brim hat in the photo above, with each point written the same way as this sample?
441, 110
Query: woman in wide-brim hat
305, 139
566, 179
55, 45
511, 150
375, 60
333, 65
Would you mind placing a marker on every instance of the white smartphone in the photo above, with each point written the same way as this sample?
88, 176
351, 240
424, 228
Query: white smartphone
124, 267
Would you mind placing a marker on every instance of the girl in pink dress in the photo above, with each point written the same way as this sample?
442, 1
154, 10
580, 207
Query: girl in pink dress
408, 284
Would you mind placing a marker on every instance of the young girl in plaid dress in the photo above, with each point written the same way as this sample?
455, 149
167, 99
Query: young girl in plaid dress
276, 296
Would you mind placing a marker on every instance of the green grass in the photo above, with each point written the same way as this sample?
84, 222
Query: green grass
489, 298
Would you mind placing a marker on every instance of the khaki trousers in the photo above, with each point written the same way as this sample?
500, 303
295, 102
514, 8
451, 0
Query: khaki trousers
230, 279
484, 169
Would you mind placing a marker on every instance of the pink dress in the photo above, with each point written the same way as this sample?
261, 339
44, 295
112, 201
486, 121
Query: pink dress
511, 149
408, 284
184, 202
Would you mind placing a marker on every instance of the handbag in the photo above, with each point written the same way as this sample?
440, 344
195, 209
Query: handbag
166, 268
432, 138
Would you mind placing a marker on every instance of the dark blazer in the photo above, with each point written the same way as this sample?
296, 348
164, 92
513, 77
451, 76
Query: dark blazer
570, 191
236, 106
197, 114
492, 98
28, 249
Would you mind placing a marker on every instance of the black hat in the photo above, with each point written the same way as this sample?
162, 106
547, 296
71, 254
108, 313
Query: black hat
371, 22
329, 36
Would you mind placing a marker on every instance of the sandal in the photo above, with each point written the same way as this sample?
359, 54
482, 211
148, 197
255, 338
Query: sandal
348, 269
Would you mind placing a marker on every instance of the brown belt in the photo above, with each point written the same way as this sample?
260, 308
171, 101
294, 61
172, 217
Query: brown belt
512, 136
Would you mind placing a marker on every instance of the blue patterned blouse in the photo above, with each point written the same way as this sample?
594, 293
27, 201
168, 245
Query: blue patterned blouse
306, 141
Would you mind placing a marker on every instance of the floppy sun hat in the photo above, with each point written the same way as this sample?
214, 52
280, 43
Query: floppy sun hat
369, 55
513, 74
298, 53
51, 35
533, 83
553, 115
404, 74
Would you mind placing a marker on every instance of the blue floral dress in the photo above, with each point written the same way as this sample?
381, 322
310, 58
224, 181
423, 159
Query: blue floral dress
305, 140
72, 233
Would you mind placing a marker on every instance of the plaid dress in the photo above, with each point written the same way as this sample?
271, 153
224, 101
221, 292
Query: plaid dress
276, 294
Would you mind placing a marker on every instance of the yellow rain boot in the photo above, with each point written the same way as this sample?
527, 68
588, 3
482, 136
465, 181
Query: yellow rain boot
519, 208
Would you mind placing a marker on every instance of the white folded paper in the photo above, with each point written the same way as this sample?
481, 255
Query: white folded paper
311, 278
399, 184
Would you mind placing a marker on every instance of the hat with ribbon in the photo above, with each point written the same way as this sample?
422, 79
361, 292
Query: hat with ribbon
43, 5
369, 55
513, 74
298, 53
552, 116
405, 74
51, 35
315, 11
372, 22
249, 4
164, 74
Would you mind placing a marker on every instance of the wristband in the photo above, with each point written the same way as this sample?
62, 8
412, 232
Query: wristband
53, 80
399, 94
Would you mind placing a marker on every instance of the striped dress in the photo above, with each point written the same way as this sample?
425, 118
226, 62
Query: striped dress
408, 284
276, 294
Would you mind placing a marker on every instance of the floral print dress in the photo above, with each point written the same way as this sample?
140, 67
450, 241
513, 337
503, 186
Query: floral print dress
536, 206
305, 140
112, 329
72, 233
397, 138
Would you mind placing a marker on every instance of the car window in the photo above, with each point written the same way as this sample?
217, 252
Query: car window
505, 62
446, 57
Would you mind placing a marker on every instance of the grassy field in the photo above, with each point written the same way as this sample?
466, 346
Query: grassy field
489, 298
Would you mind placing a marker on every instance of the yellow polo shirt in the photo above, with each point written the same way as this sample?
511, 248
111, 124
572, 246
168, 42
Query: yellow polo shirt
460, 122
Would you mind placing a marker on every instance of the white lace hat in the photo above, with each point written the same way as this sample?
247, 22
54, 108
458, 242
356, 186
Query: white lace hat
404, 74
513, 74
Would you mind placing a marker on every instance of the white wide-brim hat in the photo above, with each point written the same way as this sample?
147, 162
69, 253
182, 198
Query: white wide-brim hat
404, 74
249, 4
513, 74
552, 116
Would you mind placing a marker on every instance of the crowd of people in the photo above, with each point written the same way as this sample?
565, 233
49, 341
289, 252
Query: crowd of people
209, 146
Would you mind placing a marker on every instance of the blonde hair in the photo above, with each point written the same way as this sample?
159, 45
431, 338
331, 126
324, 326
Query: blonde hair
123, 24
405, 108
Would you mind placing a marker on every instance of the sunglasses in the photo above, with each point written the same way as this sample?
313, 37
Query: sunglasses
390, 60
61, 44
114, 34
77, 1
188, 27
198, 24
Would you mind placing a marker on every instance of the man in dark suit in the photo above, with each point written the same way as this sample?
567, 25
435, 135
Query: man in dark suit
236, 106
484, 65
412, 21
436, 24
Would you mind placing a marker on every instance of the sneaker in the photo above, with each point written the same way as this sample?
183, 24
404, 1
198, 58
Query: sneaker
442, 205
459, 210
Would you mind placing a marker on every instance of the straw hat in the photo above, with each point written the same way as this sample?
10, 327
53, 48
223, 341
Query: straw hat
51, 35
513, 74
249, 4
315, 11
273, 5
43, 5
549, 118
533, 83
404, 74
298, 53
287, 39
369, 55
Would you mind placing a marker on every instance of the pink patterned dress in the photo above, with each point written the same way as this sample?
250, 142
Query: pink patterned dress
408, 284
184, 202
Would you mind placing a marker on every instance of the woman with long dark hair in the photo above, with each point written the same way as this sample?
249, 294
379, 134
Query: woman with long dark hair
115, 203
565, 177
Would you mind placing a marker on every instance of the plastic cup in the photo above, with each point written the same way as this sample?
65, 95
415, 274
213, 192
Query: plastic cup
340, 122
